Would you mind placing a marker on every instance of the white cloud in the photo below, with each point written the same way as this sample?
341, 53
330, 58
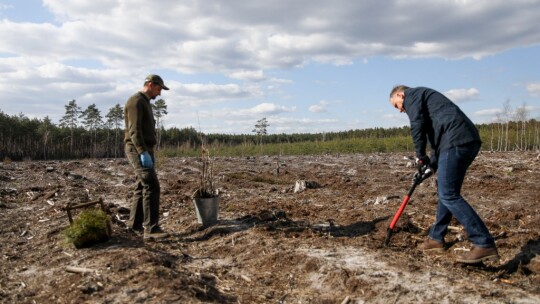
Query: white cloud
266, 109
256, 112
462, 95
236, 41
278, 124
488, 113
323, 105
195, 95
216, 91
248, 75
533, 89
317, 108
320, 107
212, 37
302, 125
498, 114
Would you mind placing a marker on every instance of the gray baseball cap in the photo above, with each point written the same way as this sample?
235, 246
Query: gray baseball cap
155, 79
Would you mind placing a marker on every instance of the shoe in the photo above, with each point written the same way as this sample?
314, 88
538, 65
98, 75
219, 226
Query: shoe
478, 254
431, 245
155, 234
135, 230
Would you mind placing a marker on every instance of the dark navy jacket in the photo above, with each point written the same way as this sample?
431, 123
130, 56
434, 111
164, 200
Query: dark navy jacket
437, 120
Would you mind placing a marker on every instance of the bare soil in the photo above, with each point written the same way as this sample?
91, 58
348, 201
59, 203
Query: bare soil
271, 245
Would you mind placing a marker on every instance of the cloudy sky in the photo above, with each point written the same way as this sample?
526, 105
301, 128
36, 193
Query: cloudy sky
305, 65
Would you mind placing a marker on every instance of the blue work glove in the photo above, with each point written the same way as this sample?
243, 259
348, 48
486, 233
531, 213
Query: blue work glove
146, 160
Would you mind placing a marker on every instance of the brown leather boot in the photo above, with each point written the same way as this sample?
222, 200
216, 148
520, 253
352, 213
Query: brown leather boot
479, 254
430, 245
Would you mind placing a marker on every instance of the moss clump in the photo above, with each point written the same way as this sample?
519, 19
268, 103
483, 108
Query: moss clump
91, 227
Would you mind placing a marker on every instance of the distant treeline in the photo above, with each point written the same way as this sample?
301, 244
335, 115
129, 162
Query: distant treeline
39, 139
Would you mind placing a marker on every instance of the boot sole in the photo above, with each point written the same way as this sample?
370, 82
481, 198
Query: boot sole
492, 258
432, 250
155, 237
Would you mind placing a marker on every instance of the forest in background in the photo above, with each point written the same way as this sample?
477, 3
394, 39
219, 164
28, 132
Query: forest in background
86, 134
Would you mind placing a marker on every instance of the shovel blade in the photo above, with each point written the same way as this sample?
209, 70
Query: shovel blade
389, 233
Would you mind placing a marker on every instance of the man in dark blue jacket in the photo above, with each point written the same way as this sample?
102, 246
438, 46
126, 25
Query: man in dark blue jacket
454, 142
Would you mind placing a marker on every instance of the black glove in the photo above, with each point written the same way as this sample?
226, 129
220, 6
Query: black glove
424, 171
423, 160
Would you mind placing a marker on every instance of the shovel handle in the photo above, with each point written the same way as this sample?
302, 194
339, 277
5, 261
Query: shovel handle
390, 229
399, 212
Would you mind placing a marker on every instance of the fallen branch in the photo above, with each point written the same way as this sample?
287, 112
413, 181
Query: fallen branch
74, 269
414, 237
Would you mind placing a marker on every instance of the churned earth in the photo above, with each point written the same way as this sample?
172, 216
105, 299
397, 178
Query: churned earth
271, 244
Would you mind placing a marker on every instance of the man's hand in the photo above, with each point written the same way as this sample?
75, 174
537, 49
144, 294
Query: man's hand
423, 160
424, 172
146, 160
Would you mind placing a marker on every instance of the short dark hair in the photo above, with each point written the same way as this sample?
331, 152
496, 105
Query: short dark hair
398, 88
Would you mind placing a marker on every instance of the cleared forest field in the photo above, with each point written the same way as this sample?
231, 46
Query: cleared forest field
271, 245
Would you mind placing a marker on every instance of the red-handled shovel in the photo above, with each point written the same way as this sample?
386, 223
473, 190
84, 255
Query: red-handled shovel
417, 180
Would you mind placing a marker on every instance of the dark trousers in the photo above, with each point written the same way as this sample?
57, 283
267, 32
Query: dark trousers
453, 164
145, 200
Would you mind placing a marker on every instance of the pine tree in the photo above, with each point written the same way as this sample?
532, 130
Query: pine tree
44, 130
115, 118
92, 121
70, 119
261, 128
160, 110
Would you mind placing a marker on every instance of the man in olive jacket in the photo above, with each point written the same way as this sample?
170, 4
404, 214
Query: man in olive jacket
454, 142
140, 140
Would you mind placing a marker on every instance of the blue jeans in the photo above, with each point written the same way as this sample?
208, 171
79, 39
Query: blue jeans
453, 164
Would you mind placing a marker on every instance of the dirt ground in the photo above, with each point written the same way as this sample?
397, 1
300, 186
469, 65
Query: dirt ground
271, 244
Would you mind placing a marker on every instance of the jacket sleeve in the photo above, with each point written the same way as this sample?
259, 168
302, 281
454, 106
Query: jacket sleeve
414, 109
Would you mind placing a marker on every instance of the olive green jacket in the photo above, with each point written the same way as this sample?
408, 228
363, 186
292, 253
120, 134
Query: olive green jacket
140, 123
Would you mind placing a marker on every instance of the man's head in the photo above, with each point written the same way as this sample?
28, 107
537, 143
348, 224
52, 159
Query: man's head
153, 85
397, 96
